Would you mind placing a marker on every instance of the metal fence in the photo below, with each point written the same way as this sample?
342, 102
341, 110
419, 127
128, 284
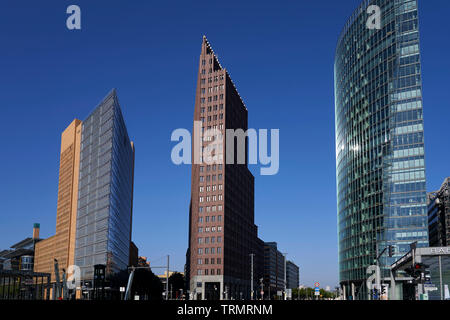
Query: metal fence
24, 285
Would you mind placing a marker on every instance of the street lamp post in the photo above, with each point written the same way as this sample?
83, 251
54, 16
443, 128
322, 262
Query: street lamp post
284, 254
251, 276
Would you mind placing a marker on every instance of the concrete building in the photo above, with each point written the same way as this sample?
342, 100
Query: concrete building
222, 233
439, 216
292, 275
380, 154
134, 255
273, 269
95, 195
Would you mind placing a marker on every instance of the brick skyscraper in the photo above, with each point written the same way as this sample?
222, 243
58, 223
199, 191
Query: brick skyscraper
222, 232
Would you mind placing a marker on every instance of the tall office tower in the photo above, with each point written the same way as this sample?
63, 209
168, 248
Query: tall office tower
380, 166
105, 192
61, 246
439, 216
95, 195
222, 231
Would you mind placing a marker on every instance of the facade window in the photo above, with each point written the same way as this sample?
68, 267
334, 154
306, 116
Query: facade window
212, 250
219, 239
201, 199
200, 240
199, 272
200, 209
206, 250
219, 249
218, 272
219, 218
200, 230
220, 176
202, 189
219, 261
200, 251
206, 272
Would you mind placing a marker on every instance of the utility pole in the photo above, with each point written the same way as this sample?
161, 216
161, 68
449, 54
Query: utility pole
251, 276
167, 279
284, 254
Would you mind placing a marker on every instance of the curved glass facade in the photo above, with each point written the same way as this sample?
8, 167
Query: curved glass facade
380, 160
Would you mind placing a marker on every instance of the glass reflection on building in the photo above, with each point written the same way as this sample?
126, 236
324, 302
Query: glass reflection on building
380, 160
105, 191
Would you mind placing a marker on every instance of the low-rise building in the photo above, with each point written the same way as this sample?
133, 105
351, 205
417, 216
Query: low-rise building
20, 256
439, 216
292, 275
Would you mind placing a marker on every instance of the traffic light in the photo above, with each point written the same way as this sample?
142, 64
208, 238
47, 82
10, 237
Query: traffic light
416, 270
383, 290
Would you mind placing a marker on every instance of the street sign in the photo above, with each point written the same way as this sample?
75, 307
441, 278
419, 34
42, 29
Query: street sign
430, 287
316, 284
122, 289
317, 291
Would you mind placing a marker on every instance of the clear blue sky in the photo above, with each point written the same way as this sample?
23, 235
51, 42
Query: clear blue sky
280, 55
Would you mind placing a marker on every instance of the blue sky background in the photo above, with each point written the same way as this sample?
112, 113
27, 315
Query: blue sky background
280, 55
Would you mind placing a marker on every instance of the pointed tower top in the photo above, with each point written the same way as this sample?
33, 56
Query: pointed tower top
206, 50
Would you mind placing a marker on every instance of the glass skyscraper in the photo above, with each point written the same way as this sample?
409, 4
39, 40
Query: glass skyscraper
380, 160
105, 191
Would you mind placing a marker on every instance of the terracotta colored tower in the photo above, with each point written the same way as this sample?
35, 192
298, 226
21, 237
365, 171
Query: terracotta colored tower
222, 232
